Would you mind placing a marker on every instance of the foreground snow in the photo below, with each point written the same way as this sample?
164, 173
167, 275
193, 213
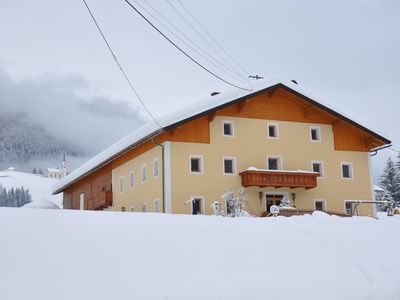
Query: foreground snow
39, 187
56, 254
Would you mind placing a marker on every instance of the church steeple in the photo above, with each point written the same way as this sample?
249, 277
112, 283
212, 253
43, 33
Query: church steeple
64, 167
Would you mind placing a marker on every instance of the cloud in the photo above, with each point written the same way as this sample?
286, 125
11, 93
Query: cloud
57, 105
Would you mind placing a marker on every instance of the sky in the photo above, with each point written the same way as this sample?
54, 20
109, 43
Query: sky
344, 52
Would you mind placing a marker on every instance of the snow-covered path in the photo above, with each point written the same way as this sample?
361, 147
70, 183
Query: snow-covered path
56, 254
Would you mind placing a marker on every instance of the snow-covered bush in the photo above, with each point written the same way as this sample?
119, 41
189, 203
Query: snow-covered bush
285, 202
235, 201
217, 209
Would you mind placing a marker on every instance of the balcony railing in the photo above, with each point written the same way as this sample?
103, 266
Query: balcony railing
279, 178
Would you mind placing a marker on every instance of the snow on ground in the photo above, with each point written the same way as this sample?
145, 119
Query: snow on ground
39, 186
61, 254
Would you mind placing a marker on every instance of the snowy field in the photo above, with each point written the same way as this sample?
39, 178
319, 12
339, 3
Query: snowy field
39, 186
56, 254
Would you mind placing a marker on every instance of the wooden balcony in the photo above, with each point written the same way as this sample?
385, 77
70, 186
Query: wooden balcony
278, 179
100, 201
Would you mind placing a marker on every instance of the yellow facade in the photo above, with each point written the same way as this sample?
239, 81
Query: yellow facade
146, 192
249, 146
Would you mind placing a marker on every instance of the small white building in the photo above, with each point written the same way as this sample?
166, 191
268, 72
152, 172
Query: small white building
57, 173
378, 193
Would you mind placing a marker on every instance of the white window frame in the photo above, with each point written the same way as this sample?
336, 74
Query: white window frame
276, 125
132, 179
202, 204
121, 182
233, 164
324, 205
156, 206
318, 128
322, 173
143, 167
144, 207
280, 161
232, 123
82, 201
351, 170
200, 157
156, 161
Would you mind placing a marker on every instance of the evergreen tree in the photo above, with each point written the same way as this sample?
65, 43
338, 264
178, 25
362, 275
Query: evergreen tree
34, 171
390, 181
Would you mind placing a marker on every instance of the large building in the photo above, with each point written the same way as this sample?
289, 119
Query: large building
276, 141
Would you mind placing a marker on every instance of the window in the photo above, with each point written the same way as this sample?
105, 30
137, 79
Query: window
196, 164
318, 167
320, 205
347, 170
144, 207
155, 168
229, 165
143, 173
121, 184
227, 128
197, 206
82, 201
274, 163
132, 209
315, 134
273, 131
156, 204
132, 179
348, 208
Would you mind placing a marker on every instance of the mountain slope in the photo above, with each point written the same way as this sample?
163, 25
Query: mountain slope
22, 141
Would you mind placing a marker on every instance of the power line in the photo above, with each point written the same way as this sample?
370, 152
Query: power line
120, 66
215, 41
181, 50
221, 66
203, 38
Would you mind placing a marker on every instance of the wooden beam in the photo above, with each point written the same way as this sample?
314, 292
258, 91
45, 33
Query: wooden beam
240, 106
211, 116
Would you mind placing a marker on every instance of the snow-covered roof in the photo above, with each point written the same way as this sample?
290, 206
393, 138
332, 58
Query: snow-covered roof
166, 121
287, 171
378, 189
53, 170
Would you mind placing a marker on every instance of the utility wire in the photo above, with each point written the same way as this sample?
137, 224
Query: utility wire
215, 41
181, 50
204, 39
119, 66
222, 67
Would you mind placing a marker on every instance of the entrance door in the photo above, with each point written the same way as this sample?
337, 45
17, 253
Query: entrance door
273, 200
82, 201
196, 207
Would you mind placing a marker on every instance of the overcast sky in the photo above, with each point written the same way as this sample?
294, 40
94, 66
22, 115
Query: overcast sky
344, 52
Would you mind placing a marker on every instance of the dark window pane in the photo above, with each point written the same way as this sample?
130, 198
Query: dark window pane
319, 205
314, 135
273, 163
228, 166
272, 131
195, 165
346, 171
228, 129
196, 208
317, 168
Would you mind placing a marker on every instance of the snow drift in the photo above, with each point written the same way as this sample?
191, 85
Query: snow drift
56, 254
